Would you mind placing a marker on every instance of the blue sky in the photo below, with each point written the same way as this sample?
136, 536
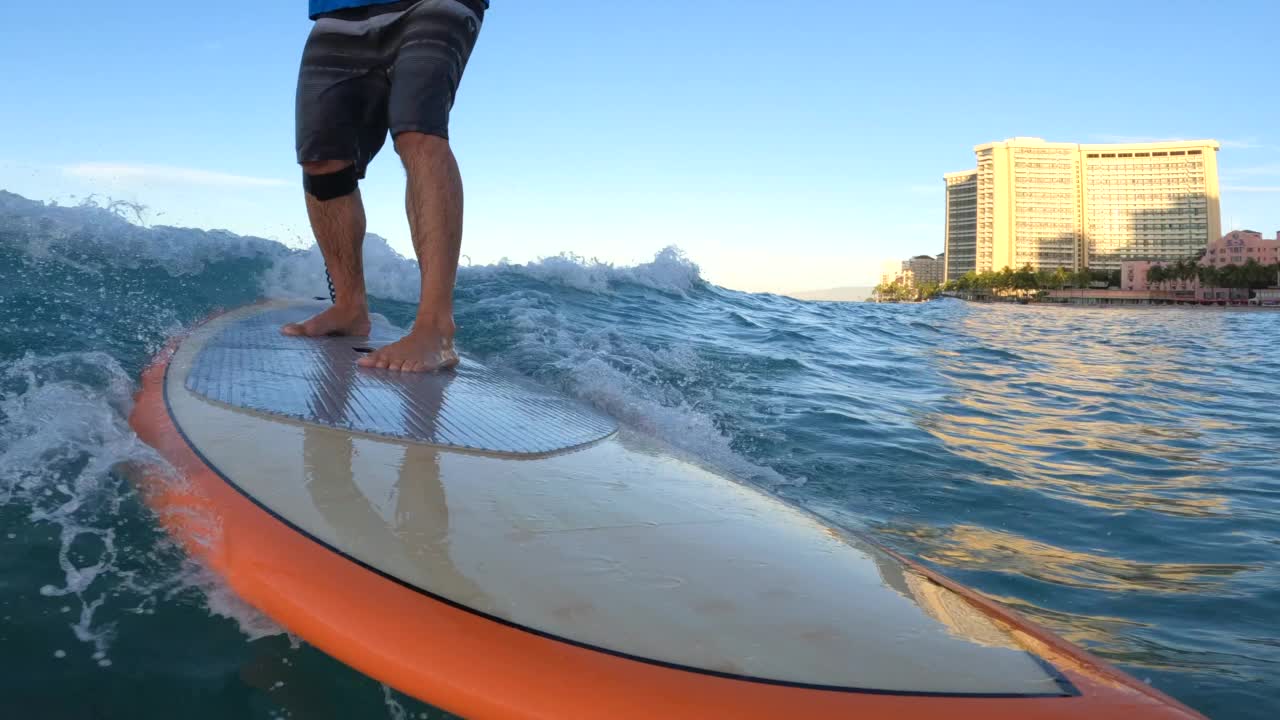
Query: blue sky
783, 146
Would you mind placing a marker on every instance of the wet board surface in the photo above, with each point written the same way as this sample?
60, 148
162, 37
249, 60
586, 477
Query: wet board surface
530, 510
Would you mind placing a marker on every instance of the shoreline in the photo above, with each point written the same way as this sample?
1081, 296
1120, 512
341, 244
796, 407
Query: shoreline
1122, 302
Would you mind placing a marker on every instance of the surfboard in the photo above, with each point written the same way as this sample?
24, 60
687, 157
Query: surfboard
503, 551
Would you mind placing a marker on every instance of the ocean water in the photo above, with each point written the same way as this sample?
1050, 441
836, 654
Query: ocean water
1112, 473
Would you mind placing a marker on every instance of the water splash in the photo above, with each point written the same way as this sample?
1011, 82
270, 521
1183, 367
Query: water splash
64, 431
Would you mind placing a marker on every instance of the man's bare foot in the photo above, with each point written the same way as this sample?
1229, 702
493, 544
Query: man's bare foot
337, 320
420, 351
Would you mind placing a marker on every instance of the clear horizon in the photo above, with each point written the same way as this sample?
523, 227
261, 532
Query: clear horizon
783, 152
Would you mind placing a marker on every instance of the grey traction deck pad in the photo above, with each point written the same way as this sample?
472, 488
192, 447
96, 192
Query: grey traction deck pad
249, 364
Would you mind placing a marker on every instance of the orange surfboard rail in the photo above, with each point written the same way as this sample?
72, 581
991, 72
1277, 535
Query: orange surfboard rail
479, 667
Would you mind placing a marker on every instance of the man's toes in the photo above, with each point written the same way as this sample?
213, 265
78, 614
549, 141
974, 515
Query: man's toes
416, 366
310, 328
291, 329
396, 365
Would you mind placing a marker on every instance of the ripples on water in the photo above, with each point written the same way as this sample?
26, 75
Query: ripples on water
1110, 472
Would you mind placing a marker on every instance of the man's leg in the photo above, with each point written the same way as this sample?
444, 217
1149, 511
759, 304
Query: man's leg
338, 224
433, 200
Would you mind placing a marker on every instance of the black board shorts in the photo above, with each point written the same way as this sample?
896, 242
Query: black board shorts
393, 66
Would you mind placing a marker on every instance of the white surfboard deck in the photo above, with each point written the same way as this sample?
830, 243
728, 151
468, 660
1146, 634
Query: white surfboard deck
528, 508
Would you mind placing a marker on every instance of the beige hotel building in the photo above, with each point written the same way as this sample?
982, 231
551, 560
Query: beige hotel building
1052, 205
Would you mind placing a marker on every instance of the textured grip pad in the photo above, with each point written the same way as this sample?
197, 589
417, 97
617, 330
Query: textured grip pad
249, 364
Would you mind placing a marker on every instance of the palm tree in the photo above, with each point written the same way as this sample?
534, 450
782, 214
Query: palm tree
1186, 269
1209, 276
1256, 274
1231, 276
1004, 279
1025, 279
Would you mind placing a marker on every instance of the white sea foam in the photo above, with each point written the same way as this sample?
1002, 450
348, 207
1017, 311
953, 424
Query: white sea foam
222, 601
395, 710
118, 230
65, 416
300, 273
388, 274
670, 271
64, 432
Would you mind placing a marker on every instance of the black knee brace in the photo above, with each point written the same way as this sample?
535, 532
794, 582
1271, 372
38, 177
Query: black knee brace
331, 185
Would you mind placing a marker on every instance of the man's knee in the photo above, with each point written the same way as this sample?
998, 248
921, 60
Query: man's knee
325, 167
416, 144
327, 180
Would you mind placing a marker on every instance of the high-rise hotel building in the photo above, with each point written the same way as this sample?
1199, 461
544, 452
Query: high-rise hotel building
961, 244
1052, 205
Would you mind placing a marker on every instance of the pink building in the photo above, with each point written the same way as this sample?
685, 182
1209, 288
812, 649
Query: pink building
1239, 246
1235, 248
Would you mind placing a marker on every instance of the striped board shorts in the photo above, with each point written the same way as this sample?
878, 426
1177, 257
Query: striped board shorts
378, 68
